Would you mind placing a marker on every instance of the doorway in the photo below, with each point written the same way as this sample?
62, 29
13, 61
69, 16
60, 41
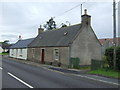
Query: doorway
43, 56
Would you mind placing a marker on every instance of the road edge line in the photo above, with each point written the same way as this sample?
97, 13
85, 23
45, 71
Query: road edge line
20, 80
97, 79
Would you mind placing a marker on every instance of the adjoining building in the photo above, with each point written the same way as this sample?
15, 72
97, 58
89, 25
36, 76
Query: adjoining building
19, 49
1, 49
106, 43
59, 45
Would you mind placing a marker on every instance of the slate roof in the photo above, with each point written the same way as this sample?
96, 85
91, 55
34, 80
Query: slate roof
22, 43
59, 37
103, 41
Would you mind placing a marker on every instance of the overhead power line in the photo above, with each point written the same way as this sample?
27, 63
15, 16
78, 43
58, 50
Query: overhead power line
71, 9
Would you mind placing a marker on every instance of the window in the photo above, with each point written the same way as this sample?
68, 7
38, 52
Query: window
56, 54
21, 52
33, 52
12, 53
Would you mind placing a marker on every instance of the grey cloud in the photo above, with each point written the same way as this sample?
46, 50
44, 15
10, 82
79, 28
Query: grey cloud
24, 18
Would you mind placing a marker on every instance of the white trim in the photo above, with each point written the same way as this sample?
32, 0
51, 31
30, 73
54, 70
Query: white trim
54, 54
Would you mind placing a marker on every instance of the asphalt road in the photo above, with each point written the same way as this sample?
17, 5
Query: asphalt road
19, 75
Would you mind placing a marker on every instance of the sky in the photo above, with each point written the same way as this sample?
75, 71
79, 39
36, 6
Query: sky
24, 18
119, 18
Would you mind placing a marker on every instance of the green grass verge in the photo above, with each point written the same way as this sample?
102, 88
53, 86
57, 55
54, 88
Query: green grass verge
82, 68
85, 68
4, 53
108, 73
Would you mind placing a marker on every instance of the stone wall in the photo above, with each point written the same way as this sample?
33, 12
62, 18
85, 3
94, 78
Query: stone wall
34, 54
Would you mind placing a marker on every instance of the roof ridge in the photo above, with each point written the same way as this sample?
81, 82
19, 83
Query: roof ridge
25, 39
62, 28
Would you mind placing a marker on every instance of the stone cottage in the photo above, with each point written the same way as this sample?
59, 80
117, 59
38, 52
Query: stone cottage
19, 49
59, 45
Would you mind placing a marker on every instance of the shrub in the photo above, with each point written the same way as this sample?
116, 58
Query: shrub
118, 57
109, 57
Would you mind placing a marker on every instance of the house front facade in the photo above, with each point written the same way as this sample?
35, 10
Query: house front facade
58, 46
19, 49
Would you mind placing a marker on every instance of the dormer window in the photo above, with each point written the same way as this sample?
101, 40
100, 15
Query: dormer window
65, 33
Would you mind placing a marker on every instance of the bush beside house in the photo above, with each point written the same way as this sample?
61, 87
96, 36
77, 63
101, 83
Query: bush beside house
109, 57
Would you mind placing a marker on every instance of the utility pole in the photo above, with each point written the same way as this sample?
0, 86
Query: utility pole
81, 9
114, 33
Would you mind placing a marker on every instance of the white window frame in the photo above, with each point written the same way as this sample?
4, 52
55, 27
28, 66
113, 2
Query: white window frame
12, 53
33, 52
54, 52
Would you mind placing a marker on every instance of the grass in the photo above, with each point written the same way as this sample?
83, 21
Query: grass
108, 73
82, 68
85, 68
4, 53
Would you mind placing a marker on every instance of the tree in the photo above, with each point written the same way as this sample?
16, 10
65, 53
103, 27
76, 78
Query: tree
5, 42
51, 24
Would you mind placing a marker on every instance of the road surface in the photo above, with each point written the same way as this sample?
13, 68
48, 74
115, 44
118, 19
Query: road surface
19, 75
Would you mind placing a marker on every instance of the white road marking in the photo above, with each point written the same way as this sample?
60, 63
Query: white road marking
20, 80
97, 79
1, 68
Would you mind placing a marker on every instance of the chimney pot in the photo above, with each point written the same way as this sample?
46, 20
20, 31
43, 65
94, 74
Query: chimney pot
20, 38
85, 11
40, 30
86, 19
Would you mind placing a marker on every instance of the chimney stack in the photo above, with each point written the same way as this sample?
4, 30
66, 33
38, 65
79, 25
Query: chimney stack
20, 38
40, 30
86, 19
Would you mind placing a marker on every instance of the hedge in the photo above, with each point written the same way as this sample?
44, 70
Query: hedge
109, 57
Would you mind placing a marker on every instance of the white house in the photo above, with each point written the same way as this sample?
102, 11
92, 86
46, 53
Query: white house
19, 49
1, 49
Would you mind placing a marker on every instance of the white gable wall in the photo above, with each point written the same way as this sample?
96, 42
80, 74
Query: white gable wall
86, 46
1, 50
